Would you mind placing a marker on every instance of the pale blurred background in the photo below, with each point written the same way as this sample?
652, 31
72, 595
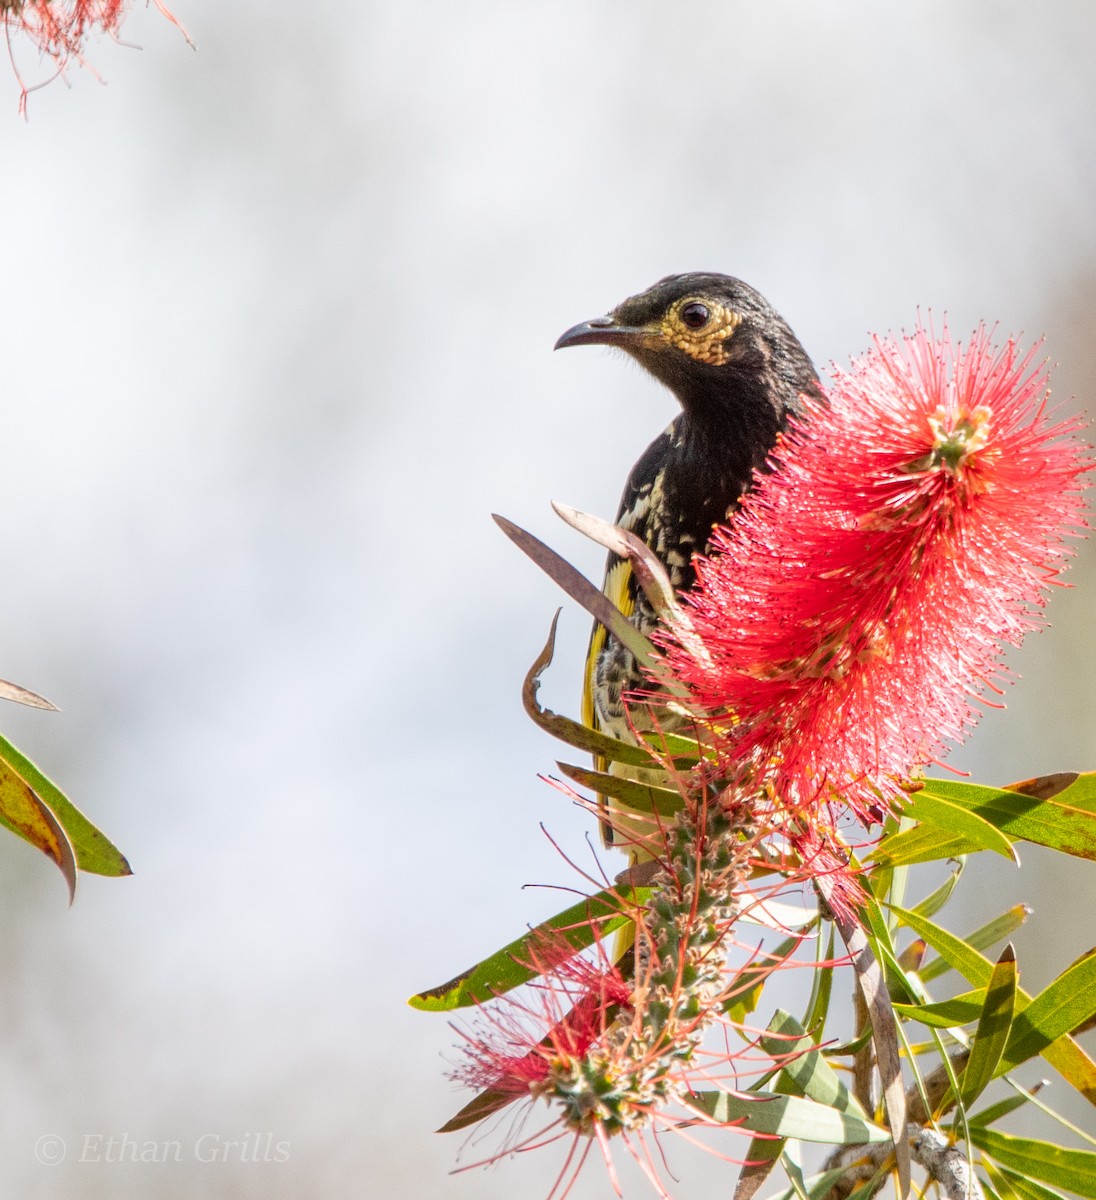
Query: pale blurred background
277, 322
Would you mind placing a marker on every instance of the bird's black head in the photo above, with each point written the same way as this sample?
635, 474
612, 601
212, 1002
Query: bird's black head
712, 340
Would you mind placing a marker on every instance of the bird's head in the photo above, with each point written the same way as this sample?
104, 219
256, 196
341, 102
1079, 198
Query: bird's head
711, 339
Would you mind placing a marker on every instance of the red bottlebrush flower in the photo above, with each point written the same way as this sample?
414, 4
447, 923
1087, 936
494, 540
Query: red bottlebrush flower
860, 602
59, 28
518, 1045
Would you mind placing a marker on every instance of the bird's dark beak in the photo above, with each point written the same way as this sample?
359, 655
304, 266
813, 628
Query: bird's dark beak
601, 331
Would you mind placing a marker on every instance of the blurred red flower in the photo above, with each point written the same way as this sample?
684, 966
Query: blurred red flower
58, 29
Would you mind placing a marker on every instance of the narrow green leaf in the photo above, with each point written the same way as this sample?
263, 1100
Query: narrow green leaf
846, 1049
94, 852
1074, 1170
936, 900
641, 796
902, 986
876, 923
946, 1014
995, 1112
1058, 811
1064, 1054
995, 1183
673, 745
930, 807
24, 812
994, 1026
925, 843
1024, 1188
1058, 1009
786, 1116
594, 917
821, 991
982, 938
817, 1187
808, 1070
793, 1168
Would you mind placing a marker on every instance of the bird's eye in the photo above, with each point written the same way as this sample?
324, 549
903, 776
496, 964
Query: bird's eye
695, 315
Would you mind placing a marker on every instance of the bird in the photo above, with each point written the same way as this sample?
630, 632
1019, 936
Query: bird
739, 374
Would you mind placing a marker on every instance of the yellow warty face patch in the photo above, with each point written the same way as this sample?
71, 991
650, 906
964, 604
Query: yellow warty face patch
705, 344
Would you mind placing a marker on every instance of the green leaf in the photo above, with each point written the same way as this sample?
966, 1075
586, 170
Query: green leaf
1058, 811
786, 1116
936, 900
27, 816
996, 1112
821, 991
1024, 1188
946, 1014
1058, 1009
991, 1192
846, 1049
934, 808
876, 923
994, 1026
1074, 1170
902, 986
793, 1169
808, 1070
94, 852
641, 796
817, 1187
1064, 1054
982, 938
673, 745
925, 843
594, 917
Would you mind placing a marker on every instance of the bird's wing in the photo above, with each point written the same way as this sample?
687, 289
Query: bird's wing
641, 491
618, 587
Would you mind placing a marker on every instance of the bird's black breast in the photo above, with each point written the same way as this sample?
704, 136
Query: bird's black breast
688, 480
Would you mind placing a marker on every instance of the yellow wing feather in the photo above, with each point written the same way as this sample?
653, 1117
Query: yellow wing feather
617, 588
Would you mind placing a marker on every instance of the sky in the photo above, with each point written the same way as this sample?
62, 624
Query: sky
278, 322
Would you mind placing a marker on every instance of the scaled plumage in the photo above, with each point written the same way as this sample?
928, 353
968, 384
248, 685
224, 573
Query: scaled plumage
738, 372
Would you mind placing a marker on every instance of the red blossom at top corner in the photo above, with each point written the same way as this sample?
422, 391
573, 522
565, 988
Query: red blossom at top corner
858, 606
58, 29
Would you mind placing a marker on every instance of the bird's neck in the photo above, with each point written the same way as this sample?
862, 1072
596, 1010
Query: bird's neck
723, 445
716, 451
